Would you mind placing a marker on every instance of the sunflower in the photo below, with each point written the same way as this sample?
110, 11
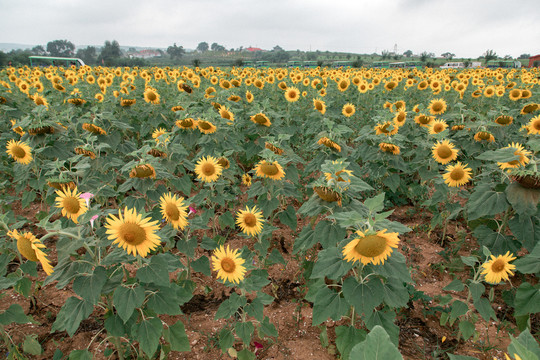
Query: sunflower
99, 97
422, 85
533, 126
489, 91
292, 94
276, 150
151, 95
437, 106
387, 128
228, 264
423, 120
437, 126
31, 248
71, 203
249, 96
127, 102
458, 127
391, 85
246, 180
328, 194
261, 119
348, 110
40, 100
187, 124
226, 114
400, 118
529, 108
372, 248
133, 233
515, 94
498, 268
94, 129
400, 105
272, 171
234, 98
19, 151
208, 169
521, 152
250, 221
319, 105
504, 120
444, 152
224, 162
389, 148
206, 127
484, 136
158, 136
177, 108
174, 210
77, 101
81, 151
329, 143
526, 93
343, 84
143, 171
457, 175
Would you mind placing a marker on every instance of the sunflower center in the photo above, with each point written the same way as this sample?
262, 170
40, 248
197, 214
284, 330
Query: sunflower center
151, 96
133, 234
292, 94
228, 265
269, 169
71, 204
457, 174
483, 135
226, 115
187, 123
348, 110
25, 248
438, 128
536, 125
498, 265
260, 119
250, 220
371, 246
444, 151
437, 107
205, 125
18, 152
208, 169
318, 106
172, 211
423, 120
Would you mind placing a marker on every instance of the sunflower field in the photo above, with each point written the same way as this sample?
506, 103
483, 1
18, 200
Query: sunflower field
168, 212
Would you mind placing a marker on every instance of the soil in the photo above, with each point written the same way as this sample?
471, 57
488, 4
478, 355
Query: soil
421, 335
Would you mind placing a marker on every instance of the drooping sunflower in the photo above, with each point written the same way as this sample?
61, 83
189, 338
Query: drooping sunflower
77, 101
272, 171
151, 96
127, 102
458, 127
348, 110
174, 210
276, 150
437, 106
457, 175
423, 120
94, 129
32, 249
319, 105
186, 124
208, 169
371, 248
261, 119
206, 127
143, 171
400, 118
133, 233
226, 114
329, 143
437, 126
386, 128
530, 108
523, 157
292, 94
444, 152
484, 136
224, 162
19, 151
177, 108
391, 85
158, 136
389, 148
400, 105
328, 194
526, 93
250, 221
504, 120
234, 98
228, 264
40, 100
71, 203
498, 268
84, 152
533, 126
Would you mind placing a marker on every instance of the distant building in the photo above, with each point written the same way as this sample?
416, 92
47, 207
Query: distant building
534, 61
145, 54
252, 49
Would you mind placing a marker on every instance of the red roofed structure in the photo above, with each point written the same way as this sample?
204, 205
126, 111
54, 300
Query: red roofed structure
534, 61
253, 49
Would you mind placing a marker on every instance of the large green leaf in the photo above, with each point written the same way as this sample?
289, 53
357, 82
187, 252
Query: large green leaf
347, 337
529, 264
127, 299
155, 273
496, 242
244, 330
328, 234
526, 346
228, 307
89, 287
305, 240
328, 304
164, 300
330, 264
177, 337
148, 333
526, 229
377, 346
523, 200
288, 218
384, 318
486, 202
14, 313
71, 314
396, 294
363, 296
527, 299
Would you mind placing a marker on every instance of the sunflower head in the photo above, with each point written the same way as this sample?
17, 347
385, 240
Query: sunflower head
250, 221
151, 96
484, 136
143, 171
328, 194
444, 152
94, 129
271, 170
276, 150
437, 127
371, 248
71, 203
348, 110
208, 169
498, 268
534, 125
457, 175
389, 148
261, 119
292, 94
19, 151
228, 264
206, 127
437, 106
31, 248
504, 120
174, 210
246, 180
519, 151
319, 105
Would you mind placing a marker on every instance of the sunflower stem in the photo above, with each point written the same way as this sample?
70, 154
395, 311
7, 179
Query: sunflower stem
353, 315
58, 232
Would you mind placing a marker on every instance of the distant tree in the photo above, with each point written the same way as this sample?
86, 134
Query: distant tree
110, 53
196, 62
62, 48
524, 56
448, 55
397, 57
161, 52
507, 57
175, 52
238, 62
425, 56
277, 48
217, 47
408, 53
132, 50
490, 55
385, 54
39, 50
203, 46
88, 55
3, 59
357, 63
18, 57
467, 63
311, 56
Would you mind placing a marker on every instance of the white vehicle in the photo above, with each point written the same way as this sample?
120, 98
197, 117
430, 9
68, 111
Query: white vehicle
453, 65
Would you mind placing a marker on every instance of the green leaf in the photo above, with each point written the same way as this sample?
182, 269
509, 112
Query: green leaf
455, 285
288, 218
529, 264
14, 313
483, 306
155, 273
268, 328
523, 200
115, 325
30, 268
527, 299
328, 234
363, 296
496, 242
526, 229
305, 240
202, 265
330, 263
255, 309
375, 204
226, 220
477, 290
256, 280
164, 301
460, 357
394, 267
384, 318
392, 181
80, 355
486, 202
268, 206
499, 155
328, 304
31, 345
228, 307
347, 337
244, 330
71, 314
89, 286
459, 308
467, 329
127, 299
396, 294
148, 333
376, 346
226, 339
177, 337
245, 354
275, 257
526, 346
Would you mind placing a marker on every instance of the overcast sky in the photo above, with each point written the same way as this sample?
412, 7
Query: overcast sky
466, 28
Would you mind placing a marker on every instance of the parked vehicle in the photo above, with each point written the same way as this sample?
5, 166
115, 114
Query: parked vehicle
503, 64
54, 61
453, 65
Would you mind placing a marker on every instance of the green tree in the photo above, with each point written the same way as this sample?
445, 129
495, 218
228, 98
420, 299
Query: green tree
524, 56
110, 53
203, 46
217, 47
448, 55
175, 52
39, 50
385, 54
62, 48
277, 48
88, 55
490, 55
408, 53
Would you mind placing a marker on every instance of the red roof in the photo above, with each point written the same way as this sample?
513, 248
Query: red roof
253, 49
534, 61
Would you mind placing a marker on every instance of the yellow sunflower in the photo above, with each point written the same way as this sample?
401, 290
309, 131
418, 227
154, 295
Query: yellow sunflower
504, 120
224, 162
226, 114
484, 136
444, 152
71, 203
437, 106
423, 120
31, 248
19, 151
246, 180
457, 175
529, 108
249, 96
292, 94
329, 143
228, 264
400, 117
206, 127
387, 128
526, 93
348, 110
133, 233
319, 105
391, 85
40, 100
272, 171
143, 171
151, 95
515, 94
250, 221
533, 126
328, 194
521, 152
94, 129
174, 210
498, 268
261, 119
437, 126
389, 148
372, 248
208, 169
187, 124
343, 84
99, 97
158, 136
